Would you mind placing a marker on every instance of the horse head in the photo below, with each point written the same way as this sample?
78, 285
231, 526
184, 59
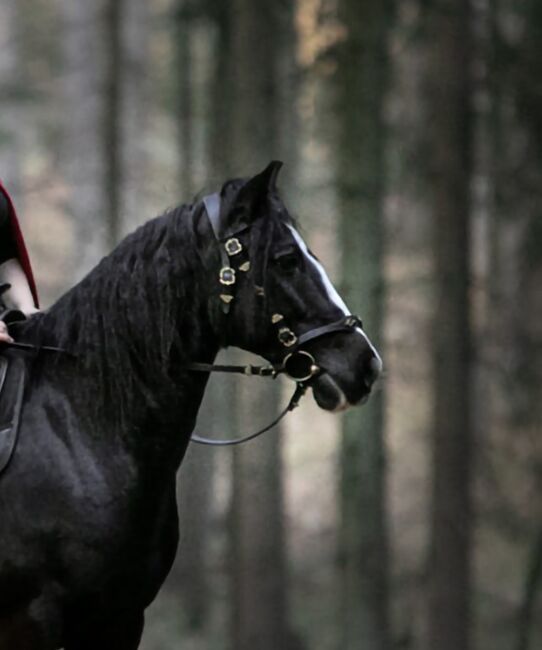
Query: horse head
272, 297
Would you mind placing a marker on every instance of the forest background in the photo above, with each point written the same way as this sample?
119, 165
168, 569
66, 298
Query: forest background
412, 139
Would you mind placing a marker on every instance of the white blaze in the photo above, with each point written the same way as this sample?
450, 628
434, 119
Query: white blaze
330, 289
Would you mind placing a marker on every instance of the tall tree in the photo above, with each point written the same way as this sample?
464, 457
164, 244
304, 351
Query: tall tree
260, 617
10, 65
196, 477
82, 81
448, 98
184, 22
361, 80
516, 262
112, 114
135, 103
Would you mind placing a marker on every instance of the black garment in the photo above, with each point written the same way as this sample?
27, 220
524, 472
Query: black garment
7, 243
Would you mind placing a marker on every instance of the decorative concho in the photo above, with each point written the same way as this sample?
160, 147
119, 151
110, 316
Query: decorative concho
227, 275
287, 337
233, 246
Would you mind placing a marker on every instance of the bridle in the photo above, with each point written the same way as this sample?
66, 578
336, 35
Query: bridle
296, 363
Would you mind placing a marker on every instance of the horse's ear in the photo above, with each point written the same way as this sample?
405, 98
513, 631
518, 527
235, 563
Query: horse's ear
255, 190
272, 170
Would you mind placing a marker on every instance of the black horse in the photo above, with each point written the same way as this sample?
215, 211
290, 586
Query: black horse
88, 516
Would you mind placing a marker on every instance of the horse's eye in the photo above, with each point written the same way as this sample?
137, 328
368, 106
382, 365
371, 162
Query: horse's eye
288, 262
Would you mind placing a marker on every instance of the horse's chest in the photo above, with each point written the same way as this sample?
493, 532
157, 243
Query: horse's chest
96, 528
129, 547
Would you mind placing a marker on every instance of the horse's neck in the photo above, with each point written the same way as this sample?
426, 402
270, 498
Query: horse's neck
155, 435
132, 328
159, 426
165, 432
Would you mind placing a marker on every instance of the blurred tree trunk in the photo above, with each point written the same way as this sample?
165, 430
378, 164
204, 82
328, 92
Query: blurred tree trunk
516, 262
125, 27
260, 617
448, 97
197, 473
517, 234
532, 584
135, 98
221, 95
10, 75
112, 116
361, 81
184, 15
83, 52
195, 488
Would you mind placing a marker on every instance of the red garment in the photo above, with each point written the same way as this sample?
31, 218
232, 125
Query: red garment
22, 253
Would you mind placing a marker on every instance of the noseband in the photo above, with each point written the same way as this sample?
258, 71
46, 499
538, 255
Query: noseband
297, 364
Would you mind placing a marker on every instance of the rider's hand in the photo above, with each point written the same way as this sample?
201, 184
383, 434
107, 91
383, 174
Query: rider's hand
4, 336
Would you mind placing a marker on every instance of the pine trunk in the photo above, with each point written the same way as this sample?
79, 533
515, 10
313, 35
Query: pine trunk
10, 76
260, 617
112, 134
363, 544
516, 263
136, 103
449, 154
196, 478
83, 48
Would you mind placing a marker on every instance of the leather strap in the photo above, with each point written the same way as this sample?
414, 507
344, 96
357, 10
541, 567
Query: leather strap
292, 404
9, 428
250, 370
28, 347
212, 206
346, 324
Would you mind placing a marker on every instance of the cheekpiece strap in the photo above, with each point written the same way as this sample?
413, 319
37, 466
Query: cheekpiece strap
230, 247
227, 274
212, 206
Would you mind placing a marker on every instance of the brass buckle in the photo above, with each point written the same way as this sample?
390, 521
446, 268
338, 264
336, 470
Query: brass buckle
300, 366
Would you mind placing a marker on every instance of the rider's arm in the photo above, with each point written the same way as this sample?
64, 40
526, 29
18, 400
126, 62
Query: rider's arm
19, 295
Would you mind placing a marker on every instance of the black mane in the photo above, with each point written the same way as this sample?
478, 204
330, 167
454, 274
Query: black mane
123, 320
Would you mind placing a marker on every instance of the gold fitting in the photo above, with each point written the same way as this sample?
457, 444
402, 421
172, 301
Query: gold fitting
276, 318
233, 246
352, 321
287, 337
227, 275
245, 266
225, 297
